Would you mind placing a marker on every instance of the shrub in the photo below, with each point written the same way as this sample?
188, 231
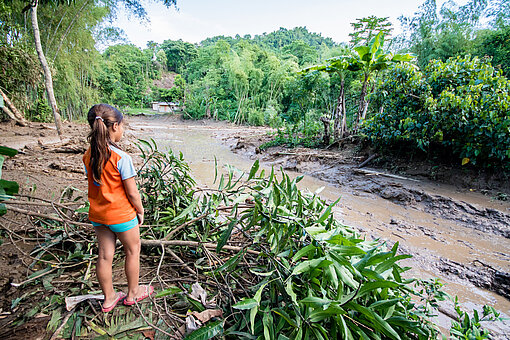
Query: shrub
471, 109
255, 117
404, 118
460, 105
42, 111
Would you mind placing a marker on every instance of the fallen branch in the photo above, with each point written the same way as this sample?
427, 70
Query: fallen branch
33, 278
12, 111
173, 232
58, 219
177, 243
59, 329
368, 160
376, 173
178, 259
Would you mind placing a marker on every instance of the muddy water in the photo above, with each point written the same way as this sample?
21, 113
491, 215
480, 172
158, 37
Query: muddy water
451, 246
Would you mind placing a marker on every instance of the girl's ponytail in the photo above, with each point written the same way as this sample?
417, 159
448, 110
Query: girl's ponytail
100, 118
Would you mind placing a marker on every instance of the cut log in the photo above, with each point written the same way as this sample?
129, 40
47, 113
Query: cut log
368, 160
11, 111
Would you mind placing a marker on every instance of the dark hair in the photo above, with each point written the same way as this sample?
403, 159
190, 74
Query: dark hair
101, 117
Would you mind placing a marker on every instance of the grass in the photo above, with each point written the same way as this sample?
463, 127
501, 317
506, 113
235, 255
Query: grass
134, 111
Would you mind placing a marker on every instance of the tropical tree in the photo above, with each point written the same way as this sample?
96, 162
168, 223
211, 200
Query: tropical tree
134, 6
48, 79
178, 54
365, 29
370, 60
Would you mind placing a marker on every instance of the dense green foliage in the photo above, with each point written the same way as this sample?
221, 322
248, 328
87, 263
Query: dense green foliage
496, 44
314, 278
456, 30
256, 80
178, 54
125, 75
460, 106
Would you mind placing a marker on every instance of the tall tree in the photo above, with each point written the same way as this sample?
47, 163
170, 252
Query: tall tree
48, 80
135, 6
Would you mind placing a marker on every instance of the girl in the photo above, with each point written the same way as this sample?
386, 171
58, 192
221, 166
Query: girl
116, 209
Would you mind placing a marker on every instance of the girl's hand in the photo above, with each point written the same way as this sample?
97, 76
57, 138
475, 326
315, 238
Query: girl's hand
140, 218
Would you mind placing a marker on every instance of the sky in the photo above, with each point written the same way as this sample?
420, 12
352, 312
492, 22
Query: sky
195, 20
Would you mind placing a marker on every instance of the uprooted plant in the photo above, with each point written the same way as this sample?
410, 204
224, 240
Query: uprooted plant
273, 257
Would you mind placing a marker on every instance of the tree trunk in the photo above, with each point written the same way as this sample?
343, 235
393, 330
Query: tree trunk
12, 111
339, 112
48, 81
365, 108
326, 136
361, 107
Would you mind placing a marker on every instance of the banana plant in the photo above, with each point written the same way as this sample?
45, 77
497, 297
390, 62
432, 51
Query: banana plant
370, 60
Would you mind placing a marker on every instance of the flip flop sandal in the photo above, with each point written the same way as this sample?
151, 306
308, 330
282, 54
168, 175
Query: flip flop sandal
149, 290
120, 296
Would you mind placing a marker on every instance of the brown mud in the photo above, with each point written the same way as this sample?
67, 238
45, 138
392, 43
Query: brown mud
456, 229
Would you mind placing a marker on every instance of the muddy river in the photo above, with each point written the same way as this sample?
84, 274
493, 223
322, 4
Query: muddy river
461, 237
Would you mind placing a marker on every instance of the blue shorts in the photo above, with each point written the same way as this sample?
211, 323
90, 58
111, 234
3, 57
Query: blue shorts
119, 228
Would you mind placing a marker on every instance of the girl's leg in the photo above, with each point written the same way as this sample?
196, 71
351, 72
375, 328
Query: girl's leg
106, 242
131, 241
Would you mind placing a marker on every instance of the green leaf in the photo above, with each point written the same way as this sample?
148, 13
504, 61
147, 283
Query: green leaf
253, 314
254, 169
381, 268
258, 294
285, 316
267, 322
10, 187
3, 209
55, 320
233, 261
207, 332
319, 315
315, 301
265, 274
8, 151
226, 235
276, 195
386, 326
370, 286
309, 265
246, 304
169, 291
290, 291
327, 212
303, 252
348, 250
185, 212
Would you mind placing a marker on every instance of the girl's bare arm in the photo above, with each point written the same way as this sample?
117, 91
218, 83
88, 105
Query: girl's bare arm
134, 196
